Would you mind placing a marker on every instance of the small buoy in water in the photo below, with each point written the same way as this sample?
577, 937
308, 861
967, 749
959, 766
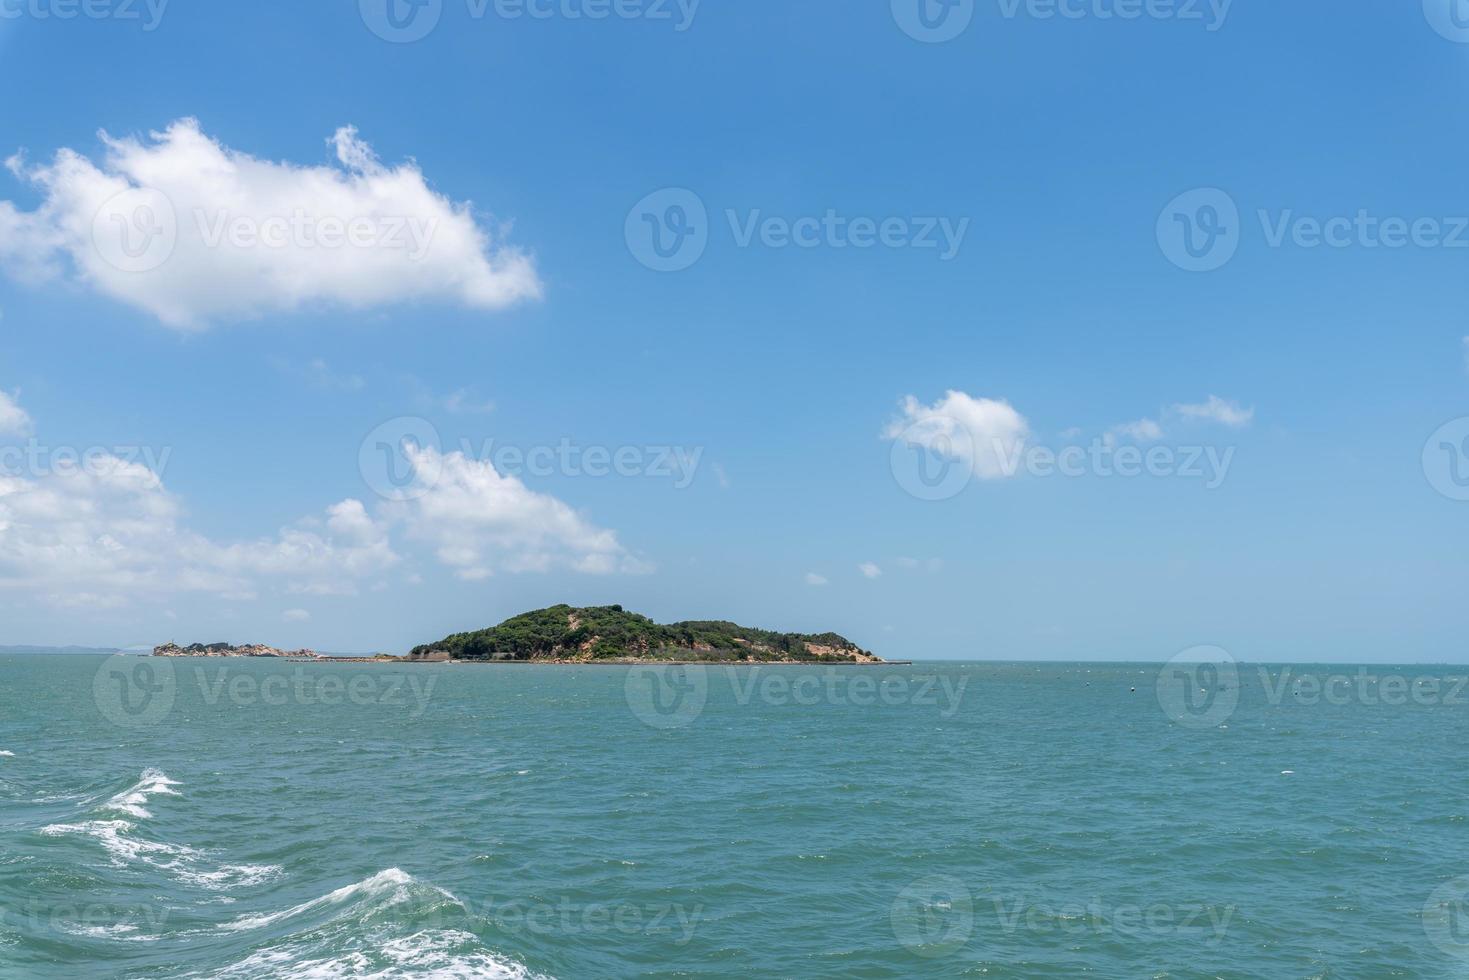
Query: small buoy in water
1134, 690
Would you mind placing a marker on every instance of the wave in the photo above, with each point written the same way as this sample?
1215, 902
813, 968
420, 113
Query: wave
388, 887
153, 782
187, 864
388, 925
442, 955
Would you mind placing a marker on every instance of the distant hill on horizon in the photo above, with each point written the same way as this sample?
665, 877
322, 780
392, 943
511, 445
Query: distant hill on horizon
28, 650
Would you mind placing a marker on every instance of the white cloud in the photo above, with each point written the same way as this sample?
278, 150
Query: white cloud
480, 522
14, 420
1216, 409
111, 531
914, 564
813, 579
296, 616
869, 569
191, 231
107, 532
986, 434
1143, 430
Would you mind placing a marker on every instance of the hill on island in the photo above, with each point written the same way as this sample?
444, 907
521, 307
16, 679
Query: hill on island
611, 633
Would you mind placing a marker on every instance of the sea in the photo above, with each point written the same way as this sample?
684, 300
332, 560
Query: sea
240, 818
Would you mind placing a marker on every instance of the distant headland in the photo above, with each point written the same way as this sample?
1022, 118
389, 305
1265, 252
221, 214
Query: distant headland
591, 635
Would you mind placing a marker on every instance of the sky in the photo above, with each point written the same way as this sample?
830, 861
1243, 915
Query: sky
995, 329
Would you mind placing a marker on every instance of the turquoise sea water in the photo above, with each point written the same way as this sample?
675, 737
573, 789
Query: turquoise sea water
267, 819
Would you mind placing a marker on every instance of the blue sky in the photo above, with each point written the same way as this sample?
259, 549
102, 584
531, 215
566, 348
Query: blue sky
1057, 143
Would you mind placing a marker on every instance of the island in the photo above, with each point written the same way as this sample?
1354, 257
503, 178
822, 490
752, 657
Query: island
259, 650
228, 650
591, 635
612, 635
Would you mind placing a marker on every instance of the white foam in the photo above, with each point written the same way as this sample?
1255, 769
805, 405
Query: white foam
429, 955
113, 836
154, 782
6, 754
183, 863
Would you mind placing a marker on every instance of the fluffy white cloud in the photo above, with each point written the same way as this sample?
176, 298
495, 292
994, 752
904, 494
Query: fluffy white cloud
1216, 409
480, 522
869, 569
109, 531
813, 579
192, 231
14, 421
986, 434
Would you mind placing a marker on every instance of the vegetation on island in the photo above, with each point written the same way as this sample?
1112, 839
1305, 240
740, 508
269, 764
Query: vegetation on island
611, 633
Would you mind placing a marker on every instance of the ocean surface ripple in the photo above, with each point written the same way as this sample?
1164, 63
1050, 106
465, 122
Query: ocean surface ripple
995, 820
